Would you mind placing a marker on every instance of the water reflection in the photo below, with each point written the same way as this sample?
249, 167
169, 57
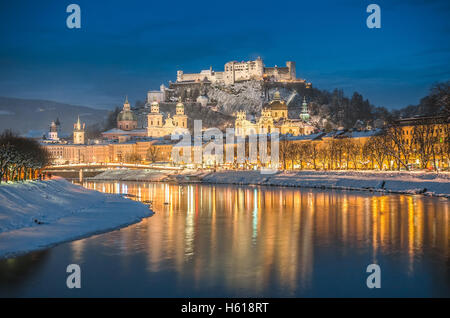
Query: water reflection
282, 241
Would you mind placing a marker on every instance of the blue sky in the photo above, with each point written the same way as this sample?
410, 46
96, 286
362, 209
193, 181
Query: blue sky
128, 47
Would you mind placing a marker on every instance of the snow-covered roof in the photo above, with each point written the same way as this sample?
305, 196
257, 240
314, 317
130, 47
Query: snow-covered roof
120, 131
363, 133
315, 136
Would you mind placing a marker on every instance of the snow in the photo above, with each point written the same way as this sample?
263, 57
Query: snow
431, 184
39, 214
132, 175
427, 183
246, 96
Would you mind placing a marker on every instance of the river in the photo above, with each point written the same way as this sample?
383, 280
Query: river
224, 241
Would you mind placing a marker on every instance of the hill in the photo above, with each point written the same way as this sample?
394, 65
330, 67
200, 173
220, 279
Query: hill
33, 117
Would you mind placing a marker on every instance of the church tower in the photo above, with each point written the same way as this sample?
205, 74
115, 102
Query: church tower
304, 114
180, 119
53, 132
78, 132
154, 121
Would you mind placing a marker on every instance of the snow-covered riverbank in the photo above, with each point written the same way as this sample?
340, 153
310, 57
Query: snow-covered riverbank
390, 182
40, 214
427, 183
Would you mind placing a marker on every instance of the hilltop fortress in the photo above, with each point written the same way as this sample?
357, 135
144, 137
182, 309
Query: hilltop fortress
242, 71
191, 86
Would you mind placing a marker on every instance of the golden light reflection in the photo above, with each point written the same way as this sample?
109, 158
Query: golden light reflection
260, 233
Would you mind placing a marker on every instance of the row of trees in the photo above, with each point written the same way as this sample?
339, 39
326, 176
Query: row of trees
20, 158
151, 156
389, 150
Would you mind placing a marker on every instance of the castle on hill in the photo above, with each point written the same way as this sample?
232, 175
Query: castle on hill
242, 71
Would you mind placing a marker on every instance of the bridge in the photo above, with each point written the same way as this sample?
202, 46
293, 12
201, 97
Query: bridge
109, 165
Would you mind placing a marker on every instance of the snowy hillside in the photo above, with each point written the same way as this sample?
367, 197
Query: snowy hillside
241, 96
39, 214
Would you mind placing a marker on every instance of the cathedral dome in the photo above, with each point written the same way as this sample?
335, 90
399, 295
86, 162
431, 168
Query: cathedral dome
126, 115
277, 103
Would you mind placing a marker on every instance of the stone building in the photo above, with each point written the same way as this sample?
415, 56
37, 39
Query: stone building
126, 120
242, 71
157, 126
274, 115
53, 132
79, 132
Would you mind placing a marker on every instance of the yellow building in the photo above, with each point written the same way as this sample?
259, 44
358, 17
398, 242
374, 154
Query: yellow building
273, 115
126, 120
78, 132
110, 152
158, 127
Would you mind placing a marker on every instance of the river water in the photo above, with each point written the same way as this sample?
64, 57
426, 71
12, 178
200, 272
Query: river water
243, 241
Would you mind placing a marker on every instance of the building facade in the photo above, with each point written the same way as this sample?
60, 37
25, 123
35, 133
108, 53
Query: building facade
79, 132
158, 126
126, 120
273, 115
242, 71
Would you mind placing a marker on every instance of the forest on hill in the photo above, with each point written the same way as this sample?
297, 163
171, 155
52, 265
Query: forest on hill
328, 109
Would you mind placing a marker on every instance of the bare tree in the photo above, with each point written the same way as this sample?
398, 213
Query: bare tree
399, 147
424, 139
20, 157
152, 153
376, 148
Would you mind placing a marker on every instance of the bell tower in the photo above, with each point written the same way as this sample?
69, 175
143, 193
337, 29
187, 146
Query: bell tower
78, 132
304, 114
180, 119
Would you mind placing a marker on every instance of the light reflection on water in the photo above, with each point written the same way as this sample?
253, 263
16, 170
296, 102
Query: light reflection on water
207, 240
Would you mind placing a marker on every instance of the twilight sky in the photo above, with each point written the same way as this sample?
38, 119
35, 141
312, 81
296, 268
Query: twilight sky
130, 47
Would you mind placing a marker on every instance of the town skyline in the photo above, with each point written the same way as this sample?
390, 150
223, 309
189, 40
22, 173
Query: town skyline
103, 61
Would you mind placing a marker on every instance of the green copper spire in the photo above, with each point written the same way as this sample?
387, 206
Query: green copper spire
304, 114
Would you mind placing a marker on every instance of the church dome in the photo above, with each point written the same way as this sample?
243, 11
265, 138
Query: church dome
277, 103
126, 115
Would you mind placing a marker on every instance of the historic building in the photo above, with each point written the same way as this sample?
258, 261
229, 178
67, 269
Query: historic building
127, 125
157, 126
242, 71
164, 94
126, 120
110, 152
79, 132
274, 115
53, 132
